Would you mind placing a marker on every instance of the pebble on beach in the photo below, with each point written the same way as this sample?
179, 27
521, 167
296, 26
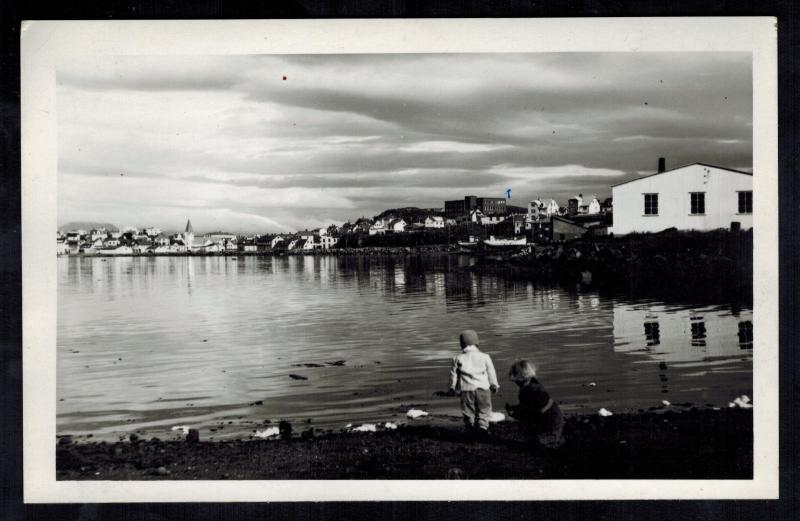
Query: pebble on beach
416, 413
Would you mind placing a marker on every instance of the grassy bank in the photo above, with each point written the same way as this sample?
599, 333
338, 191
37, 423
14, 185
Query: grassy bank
672, 444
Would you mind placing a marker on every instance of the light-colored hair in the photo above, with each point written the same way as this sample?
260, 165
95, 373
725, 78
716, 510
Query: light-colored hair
522, 370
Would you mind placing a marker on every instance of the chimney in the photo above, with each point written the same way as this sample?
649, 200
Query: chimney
662, 165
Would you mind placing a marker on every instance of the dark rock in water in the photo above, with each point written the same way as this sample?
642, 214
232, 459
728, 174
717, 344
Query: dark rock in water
65, 440
134, 437
308, 365
260, 402
193, 436
297, 377
338, 363
662, 366
285, 429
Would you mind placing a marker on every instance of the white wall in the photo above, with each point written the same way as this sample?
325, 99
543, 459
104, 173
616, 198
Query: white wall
674, 205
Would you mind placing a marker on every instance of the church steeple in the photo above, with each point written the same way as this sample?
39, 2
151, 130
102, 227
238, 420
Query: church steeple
188, 236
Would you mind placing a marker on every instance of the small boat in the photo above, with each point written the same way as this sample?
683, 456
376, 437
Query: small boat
492, 242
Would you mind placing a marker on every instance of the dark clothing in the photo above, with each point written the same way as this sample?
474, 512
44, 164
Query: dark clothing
539, 413
476, 406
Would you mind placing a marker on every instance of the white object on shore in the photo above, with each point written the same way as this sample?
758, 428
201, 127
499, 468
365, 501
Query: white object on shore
604, 412
348, 425
390, 425
591, 384
367, 427
743, 402
272, 431
665, 403
415, 413
183, 428
497, 417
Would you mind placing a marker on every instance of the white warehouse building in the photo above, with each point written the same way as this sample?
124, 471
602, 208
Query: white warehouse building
692, 197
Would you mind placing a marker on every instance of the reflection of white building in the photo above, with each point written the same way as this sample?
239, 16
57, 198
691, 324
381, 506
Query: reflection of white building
682, 335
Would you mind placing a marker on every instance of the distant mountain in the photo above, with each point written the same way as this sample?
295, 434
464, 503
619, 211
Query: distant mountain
86, 225
409, 214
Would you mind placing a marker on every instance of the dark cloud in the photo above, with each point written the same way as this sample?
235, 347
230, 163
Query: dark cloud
358, 133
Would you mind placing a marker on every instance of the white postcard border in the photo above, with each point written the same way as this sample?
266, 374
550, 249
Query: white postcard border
44, 44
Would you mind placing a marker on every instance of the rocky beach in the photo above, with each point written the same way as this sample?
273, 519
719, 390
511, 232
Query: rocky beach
675, 442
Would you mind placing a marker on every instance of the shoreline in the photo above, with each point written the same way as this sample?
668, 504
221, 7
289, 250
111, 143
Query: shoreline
670, 443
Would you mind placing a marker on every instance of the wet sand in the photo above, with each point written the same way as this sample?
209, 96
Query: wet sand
664, 444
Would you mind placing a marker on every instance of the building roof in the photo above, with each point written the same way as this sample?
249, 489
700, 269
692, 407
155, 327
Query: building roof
189, 227
683, 166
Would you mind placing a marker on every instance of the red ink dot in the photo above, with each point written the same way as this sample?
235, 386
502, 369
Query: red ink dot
284, 78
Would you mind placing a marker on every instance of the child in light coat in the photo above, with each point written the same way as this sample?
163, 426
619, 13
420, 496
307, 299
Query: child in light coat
472, 375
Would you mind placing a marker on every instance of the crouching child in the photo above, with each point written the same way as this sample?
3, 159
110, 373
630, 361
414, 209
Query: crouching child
473, 375
536, 410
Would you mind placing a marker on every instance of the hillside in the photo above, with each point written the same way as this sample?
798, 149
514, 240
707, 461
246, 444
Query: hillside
87, 225
409, 214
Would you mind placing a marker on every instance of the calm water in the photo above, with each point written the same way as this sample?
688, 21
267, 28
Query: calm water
145, 344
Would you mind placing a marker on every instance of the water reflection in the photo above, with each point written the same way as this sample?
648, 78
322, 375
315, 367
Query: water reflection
148, 342
681, 334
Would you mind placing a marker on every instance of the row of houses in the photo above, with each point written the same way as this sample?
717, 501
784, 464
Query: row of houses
691, 197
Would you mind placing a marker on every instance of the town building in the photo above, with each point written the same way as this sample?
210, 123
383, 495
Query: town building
326, 242
397, 225
539, 210
378, 227
458, 209
692, 197
492, 205
434, 221
454, 209
188, 235
574, 204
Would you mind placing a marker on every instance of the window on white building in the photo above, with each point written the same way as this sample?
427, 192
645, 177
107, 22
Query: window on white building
698, 201
651, 204
746, 202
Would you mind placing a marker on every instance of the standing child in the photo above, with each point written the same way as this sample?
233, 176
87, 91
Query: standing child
472, 373
536, 410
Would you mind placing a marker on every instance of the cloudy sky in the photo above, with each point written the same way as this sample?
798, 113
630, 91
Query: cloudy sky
279, 143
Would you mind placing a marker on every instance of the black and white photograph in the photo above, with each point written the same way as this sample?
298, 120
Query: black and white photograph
385, 265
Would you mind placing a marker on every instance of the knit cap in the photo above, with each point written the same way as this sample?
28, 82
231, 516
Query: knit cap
468, 338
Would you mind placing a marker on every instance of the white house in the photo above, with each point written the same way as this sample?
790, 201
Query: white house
593, 207
397, 225
691, 197
434, 221
99, 234
377, 228
488, 220
277, 239
326, 242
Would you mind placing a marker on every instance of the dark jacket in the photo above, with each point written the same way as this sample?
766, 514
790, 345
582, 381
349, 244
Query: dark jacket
537, 410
